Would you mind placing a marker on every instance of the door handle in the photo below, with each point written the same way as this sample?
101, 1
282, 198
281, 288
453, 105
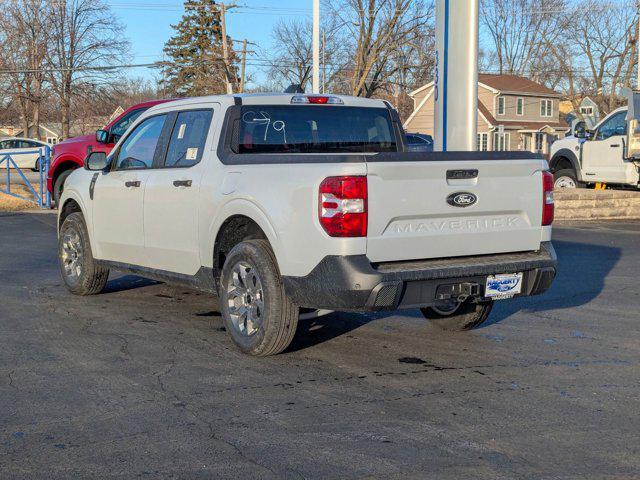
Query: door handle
131, 184
182, 183
615, 145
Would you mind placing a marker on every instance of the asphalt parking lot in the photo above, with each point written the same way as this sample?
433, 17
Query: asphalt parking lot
142, 381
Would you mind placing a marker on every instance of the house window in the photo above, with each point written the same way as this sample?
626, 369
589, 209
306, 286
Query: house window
546, 108
501, 105
539, 141
520, 107
501, 141
586, 110
52, 140
482, 142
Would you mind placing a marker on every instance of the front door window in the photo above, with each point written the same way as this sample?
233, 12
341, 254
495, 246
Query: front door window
616, 125
138, 149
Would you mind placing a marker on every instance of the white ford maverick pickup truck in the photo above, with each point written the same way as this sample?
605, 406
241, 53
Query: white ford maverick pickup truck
286, 203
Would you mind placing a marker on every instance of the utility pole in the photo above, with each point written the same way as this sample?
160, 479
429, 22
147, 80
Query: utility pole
316, 46
324, 62
225, 46
243, 65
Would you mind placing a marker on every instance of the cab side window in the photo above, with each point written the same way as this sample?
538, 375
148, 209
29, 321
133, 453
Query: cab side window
138, 149
118, 128
27, 144
188, 138
616, 125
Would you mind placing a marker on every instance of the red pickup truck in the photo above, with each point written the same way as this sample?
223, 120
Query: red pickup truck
70, 154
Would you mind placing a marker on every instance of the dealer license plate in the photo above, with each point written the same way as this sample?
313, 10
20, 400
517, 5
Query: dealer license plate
503, 286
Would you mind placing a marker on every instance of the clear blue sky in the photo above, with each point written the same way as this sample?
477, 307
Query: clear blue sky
148, 26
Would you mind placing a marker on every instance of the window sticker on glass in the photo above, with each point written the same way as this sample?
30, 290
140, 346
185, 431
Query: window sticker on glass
183, 128
192, 153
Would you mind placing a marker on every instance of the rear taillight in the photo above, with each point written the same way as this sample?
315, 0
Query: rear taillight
547, 198
342, 206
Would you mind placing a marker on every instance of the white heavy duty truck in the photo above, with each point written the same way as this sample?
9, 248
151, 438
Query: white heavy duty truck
595, 156
279, 203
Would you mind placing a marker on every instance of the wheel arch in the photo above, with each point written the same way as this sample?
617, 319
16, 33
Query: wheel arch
239, 220
62, 165
565, 158
71, 203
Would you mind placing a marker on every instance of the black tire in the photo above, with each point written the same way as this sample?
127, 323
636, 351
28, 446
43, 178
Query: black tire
58, 186
277, 320
566, 173
467, 316
36, 167
88, 278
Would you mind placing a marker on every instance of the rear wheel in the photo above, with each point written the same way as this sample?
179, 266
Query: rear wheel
81, 273
36, 167
566, 178
256, 310
456, 316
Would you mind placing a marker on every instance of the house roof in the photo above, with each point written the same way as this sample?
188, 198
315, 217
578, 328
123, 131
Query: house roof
51, 128
514, 83
505, 84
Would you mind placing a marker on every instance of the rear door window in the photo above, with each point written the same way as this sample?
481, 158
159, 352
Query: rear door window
188, 137
313, 129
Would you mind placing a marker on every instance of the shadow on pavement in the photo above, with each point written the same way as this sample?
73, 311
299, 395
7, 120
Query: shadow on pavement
582, 270
127, 282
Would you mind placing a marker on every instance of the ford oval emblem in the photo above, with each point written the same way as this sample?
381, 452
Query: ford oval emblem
462, 199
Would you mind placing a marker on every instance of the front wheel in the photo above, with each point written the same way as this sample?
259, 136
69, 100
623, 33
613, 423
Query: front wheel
58, 186
81, 273
256, 310
458, 316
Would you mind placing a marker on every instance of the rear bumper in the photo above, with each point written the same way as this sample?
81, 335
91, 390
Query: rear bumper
353, 283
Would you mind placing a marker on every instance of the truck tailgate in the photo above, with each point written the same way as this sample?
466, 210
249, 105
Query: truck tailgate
410, 217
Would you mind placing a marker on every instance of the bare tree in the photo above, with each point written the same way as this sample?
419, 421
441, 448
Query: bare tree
23, 43
292, 55
84, 35
598, 54
292, 59
382, 38
517, 31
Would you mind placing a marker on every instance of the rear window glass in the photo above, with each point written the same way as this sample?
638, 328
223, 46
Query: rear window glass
313, 129
188, 138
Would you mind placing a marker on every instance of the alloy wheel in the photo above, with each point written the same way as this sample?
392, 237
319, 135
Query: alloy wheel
245, 298
72, 254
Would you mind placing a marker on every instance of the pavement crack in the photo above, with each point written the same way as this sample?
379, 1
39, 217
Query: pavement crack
167, 370
10, 375
241, 454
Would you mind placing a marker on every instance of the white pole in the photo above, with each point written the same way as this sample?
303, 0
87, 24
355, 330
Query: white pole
456, 76
316, 46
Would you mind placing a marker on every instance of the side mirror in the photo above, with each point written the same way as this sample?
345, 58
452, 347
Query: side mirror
580, 130
102, 136
96, 161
